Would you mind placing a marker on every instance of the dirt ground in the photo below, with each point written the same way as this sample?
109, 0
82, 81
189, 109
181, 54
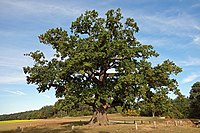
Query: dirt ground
79, 125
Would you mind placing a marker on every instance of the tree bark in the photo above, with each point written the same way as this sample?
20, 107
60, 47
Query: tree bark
100, 116
153, 114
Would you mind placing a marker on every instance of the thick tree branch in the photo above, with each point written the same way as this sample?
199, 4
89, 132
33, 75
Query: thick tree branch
92, 76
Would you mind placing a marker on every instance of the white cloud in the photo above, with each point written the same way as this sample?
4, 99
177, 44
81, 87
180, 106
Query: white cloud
170, 25
173, 25
41, 8
15, 92
197, 27
191, 77
189, 62
196, 5
196, 40
162, 41
20, 92
11, 63
13, 57
12, 79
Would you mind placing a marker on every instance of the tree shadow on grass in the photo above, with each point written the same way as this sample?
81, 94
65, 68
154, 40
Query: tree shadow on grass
65, 127
49, 130
75, 123
46, 130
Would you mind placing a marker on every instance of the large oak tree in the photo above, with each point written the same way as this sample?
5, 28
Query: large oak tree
100, 63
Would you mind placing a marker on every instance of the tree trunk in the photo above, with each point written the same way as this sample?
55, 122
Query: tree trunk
153, 114
100, 116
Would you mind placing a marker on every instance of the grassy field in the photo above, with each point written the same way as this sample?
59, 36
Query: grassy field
15, 121
78, 124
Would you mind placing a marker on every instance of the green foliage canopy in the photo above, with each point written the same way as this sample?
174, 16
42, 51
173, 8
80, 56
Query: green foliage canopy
100, 61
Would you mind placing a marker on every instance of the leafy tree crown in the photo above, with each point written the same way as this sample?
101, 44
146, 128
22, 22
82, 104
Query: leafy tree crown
100, 61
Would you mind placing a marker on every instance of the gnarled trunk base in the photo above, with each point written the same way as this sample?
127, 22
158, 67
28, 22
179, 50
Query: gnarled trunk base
99, 117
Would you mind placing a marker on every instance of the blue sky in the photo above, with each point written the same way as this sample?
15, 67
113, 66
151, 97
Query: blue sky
171, 26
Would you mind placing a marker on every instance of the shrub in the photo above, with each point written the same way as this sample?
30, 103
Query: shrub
130, 112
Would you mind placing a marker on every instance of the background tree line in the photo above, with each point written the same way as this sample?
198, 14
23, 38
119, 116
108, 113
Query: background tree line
44, 112
180, 107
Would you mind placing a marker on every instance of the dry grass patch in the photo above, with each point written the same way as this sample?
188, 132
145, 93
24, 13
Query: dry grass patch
130, 128
79, 125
